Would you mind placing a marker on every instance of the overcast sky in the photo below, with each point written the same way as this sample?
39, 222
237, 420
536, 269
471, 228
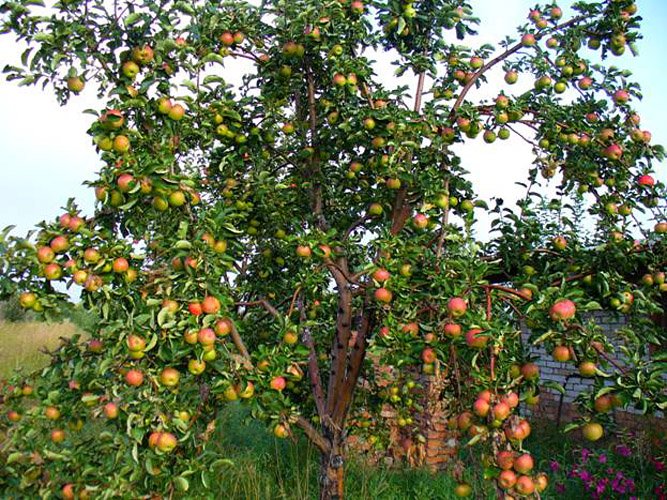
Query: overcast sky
47, 155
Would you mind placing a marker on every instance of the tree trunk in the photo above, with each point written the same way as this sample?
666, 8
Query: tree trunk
332, 473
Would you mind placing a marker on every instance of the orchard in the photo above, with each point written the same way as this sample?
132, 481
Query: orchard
306, 240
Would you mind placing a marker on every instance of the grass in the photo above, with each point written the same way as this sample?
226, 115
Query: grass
20, 344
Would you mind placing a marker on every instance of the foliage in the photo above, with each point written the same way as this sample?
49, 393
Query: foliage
272, 237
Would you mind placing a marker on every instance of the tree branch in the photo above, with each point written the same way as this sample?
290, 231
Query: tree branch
315, 437
238, 342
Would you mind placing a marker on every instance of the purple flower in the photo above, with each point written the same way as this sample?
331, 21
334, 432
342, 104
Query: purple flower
560, 488
623, 450
601, 486
602, 459
585, 453
554, 466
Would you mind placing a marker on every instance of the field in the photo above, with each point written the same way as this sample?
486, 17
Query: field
630, 465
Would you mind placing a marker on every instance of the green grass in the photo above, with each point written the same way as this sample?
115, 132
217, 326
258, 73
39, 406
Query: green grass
21, 344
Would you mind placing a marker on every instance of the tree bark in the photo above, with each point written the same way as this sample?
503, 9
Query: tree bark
332, 473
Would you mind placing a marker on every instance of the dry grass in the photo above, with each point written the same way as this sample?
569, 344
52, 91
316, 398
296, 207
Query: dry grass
20, 344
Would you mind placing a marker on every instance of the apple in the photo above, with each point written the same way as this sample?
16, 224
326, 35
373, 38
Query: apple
506, 479
464, 421
53, 271
227, 39
420, 221
530, 371
68, 492
381, 275
59, 244
613, 152
206, 337
383, 295
429, 355
166, 442
621, 96
120, 265
45, 254
223, 327
524, 463
511, 77
603, 404
143, 55
112, 119
474, 340
280, 431
121, 144
592, 431
169, 377
304, 251
561, 353
57, 435
511, 399
290, 338
177, 112
196, 367
246, 392
457, 307
452, 330
562, 310
524, 485
52, 413
393, 183
528, 40
130, 69
195, 308
110, 410
210, 305
463, 490
587, 369
134, 377
176, 198
481, 407
375, 209
646, 180
501, 411
27, 300
411, 328
505, 459
278, 383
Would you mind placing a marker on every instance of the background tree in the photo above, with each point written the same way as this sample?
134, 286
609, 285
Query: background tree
257, 241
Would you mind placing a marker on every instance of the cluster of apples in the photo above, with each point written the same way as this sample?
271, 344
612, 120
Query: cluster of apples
65, 254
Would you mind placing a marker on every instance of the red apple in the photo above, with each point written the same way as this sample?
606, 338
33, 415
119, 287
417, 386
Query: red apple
278, 383
562, 310
457, 307
475, 340
134, 377
383, 295
210, 305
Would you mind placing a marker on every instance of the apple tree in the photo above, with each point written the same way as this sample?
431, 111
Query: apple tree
274, 219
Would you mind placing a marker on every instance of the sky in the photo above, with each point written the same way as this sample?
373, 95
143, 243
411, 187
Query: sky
46, 154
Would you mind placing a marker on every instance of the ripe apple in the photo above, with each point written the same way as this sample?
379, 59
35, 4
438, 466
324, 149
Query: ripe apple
143, 55
505, 459
511, 399
206, 337
511, 77
210, 305
452, 330
27, 300
524, 485
227, 39
134, 377
501, 411
463, 490
506, 479
587, 369
530, 371
592, 431
196, 367
120, 265
52, 413
177, 112
223, 327
457, 307
59, 244
481, 407
561, 353
57, 435
45, 254
429, 355
528, 40
169, 377
121, 144
603, 404
166, 442
290, 338
130, 69
375, 209
420, 221
613, 152
562, 310
524, 463
559, 243
383, 295
381, 275
195, 308
280, 431
304, 251
110, 410
278, 383
53, 271
475, 340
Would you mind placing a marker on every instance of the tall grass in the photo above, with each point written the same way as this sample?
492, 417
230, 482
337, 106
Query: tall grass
21, 344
